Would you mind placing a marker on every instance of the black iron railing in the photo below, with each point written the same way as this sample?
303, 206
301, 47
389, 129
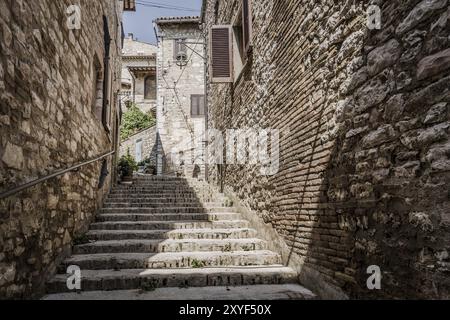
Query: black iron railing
51, 176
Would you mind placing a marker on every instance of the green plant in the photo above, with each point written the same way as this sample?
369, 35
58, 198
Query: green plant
134, 120
144, 163
149, 286
195, 264
127, 165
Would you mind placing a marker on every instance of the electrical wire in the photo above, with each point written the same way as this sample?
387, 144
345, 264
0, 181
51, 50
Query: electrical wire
151, 4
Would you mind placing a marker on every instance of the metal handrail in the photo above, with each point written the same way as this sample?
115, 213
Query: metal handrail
54, 175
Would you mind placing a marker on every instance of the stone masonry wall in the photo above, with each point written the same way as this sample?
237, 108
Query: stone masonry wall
178, 131
364, 151
47, 124
148, 138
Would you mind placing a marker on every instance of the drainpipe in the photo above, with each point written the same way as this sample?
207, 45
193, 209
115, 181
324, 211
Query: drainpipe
205, 76
159, 158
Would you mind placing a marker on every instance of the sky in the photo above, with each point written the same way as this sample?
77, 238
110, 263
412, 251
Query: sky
140, 23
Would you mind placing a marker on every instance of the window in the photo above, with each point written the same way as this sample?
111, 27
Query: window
179, 47
129, 5
150, 87
231, 45
197, 105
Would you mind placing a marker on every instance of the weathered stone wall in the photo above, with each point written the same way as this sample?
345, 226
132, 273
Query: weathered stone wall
364, 150
148, 138
48, 124
178, 131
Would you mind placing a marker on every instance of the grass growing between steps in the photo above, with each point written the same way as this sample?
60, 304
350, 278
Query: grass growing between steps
149, 286
197, 264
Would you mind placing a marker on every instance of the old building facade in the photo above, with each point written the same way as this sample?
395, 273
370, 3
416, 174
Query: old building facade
181, 107
360, 95
59, 89
139, 74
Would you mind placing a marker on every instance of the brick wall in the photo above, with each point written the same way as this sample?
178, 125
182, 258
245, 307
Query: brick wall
364, 150
48, 124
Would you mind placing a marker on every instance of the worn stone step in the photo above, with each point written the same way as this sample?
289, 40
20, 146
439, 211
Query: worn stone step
169, 245
149, 279
166, 195
169, 209
169, 225
155, 210
155, 188
106, 235
144, 194
150, 204
213, 259
167, 216
152, 217
237, 293
118, 261
113, 261
140, 200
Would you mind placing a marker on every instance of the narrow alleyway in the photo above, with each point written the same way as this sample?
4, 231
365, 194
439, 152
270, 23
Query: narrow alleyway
156, 233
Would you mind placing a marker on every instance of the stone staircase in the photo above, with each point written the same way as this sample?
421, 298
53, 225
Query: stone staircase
156, 234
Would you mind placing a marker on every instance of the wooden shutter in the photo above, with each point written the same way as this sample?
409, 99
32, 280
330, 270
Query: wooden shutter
194, 105
247, 24
129, 5
201, 105
197, 105
179, 46
221, 63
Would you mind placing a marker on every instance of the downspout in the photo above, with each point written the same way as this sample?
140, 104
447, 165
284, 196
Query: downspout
205, 76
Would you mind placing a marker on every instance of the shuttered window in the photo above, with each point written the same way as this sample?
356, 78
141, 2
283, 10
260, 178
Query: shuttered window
150, 87
197, 105
247, 24
221, 53
179, 47
129, 5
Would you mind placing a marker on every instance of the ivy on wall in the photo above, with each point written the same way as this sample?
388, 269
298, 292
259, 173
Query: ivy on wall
134, 120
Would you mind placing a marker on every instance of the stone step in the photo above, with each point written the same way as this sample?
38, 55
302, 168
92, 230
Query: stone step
154, 188
169, 245
152, 217
150, 204
154, 210
236, 293
148, 194
143, 195
129, 279
106, 235
169, 210
167, 217
118, 261
140, 200
113, 261
169, 225
213, 259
